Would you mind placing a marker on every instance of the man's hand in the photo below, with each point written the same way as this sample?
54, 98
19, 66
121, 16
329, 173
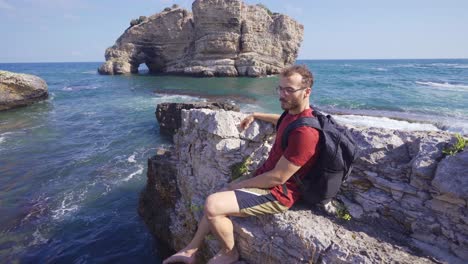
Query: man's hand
271, 118
245, 123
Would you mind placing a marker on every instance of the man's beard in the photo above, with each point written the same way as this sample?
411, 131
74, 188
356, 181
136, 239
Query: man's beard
287, 105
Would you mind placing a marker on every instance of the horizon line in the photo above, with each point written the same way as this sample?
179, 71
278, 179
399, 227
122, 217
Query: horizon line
12, 62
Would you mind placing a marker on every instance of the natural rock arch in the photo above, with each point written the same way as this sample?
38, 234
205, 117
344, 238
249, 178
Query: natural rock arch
220, 38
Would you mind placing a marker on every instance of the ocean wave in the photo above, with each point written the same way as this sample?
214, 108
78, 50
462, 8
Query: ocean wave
411, 65
384, 122
432, 65
4, 136
90, 72
175, 97
131, 159
450, 65
445, 86
69, 204
38, 238
380, 69
139, 171
79, 87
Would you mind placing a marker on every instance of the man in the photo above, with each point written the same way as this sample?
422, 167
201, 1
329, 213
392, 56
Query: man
273, 189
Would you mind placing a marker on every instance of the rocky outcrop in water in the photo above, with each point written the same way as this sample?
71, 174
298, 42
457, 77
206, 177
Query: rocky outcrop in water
220, 38
408, 201
18, 89
169, 114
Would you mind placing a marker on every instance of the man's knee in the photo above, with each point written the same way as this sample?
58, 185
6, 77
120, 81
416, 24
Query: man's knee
211, 206
221, 204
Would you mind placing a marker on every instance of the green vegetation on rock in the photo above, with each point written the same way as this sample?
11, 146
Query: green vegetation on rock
196, 208
138, 21
266, 9
241, 168
341, 210
458, 146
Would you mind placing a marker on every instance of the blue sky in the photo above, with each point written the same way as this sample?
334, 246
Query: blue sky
81, 30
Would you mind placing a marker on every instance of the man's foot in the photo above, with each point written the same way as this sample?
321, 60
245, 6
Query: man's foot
225, 257
185, 256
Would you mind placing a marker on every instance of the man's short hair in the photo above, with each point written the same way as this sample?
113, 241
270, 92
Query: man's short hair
307, 77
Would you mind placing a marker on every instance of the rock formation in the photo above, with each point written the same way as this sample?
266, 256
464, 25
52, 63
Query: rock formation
408, 201
220, 38
169, 114
17, 89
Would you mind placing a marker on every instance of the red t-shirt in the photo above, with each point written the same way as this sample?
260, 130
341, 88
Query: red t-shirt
302, 151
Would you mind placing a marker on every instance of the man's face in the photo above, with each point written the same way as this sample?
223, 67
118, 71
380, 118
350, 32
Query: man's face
291, 100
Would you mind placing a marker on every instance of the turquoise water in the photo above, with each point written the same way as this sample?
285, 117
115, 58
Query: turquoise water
72, 167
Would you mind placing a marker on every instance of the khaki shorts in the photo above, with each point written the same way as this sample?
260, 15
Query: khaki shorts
255, 201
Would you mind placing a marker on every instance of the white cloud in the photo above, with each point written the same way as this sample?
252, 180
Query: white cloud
6, 6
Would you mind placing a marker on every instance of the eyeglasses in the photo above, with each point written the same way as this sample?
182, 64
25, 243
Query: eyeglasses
287, 90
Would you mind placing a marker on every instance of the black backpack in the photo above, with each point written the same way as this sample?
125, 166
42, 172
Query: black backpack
337, 152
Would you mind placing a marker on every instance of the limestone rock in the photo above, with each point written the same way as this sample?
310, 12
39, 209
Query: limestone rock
169, 114
17, 89
450, 176
220, 38
394, 221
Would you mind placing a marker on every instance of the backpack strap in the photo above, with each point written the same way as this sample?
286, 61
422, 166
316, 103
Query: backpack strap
312, 122
281, 119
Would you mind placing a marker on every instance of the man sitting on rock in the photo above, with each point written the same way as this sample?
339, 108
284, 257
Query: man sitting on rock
272, 190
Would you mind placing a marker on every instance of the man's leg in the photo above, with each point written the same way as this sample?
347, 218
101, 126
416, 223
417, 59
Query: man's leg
187, 254
218, 207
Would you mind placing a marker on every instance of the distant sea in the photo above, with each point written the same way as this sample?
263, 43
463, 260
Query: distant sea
72, 167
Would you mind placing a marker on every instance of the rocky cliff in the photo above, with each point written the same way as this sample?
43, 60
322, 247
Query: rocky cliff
17, 89
169, 115
220, 38
408, 201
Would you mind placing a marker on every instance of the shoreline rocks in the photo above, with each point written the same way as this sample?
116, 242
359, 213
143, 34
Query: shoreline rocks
220, 38
18, 89
169, 115
408, 204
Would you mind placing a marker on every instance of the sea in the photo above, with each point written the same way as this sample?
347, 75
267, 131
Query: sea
72, 166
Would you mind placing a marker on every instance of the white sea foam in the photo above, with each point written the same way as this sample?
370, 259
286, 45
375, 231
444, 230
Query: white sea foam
79, 87
175, 97
139, 171
38, 238
445, 86
131, 159
90, 72
451, 65
380, 69
411, 65
384, 122
69, 204
4, 136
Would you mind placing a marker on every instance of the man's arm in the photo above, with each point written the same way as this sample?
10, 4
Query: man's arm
272, 118
279, 175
